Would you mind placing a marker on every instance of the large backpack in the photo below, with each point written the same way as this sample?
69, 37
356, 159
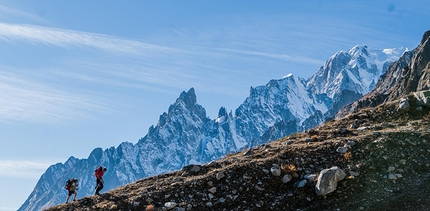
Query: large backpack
100, 168
68, 184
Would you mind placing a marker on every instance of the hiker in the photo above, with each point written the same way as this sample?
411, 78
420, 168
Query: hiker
99, 176
72, 187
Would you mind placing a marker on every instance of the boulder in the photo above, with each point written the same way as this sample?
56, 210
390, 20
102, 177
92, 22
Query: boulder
327, 180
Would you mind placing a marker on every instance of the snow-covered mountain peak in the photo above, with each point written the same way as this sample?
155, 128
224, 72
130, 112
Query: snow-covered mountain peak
288, 75
357, 69
358, 50
186, 103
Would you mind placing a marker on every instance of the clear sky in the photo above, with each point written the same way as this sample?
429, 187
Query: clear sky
76, 75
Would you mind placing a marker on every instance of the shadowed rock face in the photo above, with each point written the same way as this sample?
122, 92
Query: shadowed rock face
410, 74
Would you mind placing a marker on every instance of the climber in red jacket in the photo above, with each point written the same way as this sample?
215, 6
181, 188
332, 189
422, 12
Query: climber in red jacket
99, 176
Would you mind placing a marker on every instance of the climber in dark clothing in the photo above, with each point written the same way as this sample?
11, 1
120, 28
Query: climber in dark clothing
99, 176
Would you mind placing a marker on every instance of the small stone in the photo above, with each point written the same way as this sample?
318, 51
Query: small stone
246, 177
212, 190
170, 205
353, 173
392, 177
178, 179
342, 150
259, 188
195, 168
276, 170
310, 177
209, 204
220, 175
376, 133
349, 144
302, 183
287, 178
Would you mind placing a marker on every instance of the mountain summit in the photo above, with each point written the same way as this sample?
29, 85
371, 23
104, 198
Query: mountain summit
185, 135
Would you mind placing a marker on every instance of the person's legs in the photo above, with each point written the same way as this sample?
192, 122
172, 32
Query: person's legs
74, 196
99, 186
67, 200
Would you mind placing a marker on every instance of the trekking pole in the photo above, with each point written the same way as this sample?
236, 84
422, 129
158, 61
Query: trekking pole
95, 190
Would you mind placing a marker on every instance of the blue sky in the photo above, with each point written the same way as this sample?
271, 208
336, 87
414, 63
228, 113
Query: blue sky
76, 75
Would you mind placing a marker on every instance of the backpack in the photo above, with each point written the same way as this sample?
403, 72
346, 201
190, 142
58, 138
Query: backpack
68, 184
100, 168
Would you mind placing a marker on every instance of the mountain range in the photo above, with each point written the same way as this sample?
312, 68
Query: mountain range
374, 159
184, 135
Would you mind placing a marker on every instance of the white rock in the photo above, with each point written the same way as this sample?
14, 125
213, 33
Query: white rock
170, 205
403, 105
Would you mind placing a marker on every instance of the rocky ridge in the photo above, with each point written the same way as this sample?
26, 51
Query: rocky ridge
381, 156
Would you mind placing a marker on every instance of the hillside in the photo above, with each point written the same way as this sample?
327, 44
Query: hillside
384, 152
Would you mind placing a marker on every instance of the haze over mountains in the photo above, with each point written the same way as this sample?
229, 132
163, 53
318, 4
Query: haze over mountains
185, 135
